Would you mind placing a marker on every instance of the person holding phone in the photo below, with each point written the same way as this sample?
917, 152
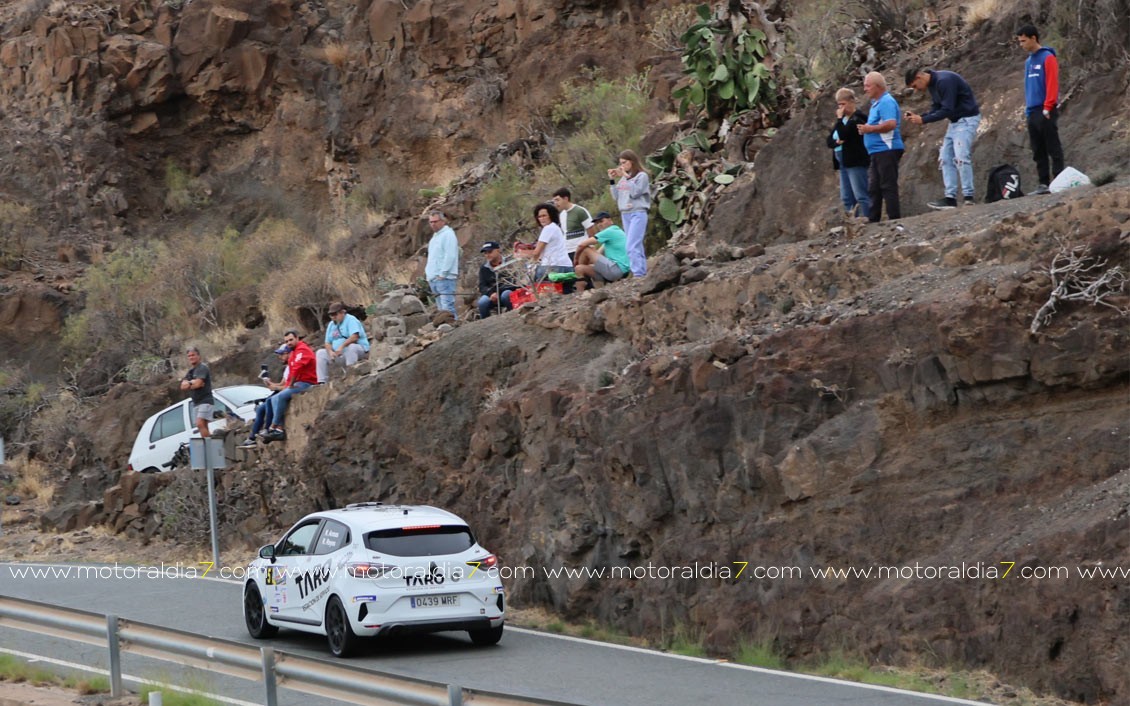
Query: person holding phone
849, 156
631, 188
953, 101
264, 411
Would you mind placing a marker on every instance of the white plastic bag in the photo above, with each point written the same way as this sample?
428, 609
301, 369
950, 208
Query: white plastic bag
1069, 178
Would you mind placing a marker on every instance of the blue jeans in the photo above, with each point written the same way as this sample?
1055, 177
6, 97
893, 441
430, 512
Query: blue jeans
444, 289
264, 413
281, 400
956, 155
635, 225
487, 307
853, 188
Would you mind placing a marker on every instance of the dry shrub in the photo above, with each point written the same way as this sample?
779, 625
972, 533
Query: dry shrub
274, 245
336, 53
53, 427
978, 12
32, 479
305, 289
669, 24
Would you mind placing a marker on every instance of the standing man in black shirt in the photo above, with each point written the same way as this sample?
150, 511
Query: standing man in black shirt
198, 381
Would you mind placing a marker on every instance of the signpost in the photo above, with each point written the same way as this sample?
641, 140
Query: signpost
208, 455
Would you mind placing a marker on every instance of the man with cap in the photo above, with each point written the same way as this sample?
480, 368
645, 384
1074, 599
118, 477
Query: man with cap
613, 264
495, 294
302, 376
264, 411
346, 342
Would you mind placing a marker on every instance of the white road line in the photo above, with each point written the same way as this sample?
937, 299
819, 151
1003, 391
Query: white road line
33, 658
745, 667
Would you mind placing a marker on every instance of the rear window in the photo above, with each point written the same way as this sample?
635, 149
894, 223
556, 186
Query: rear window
245, 394
421, 541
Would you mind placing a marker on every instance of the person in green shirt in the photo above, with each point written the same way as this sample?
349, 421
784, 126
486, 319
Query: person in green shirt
613, 264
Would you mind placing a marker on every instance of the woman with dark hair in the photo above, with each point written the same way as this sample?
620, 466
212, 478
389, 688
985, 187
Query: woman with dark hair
550, 250
633, 197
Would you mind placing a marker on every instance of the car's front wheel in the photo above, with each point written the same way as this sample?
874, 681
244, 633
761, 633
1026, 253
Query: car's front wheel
255, 615
487, 637
343, 641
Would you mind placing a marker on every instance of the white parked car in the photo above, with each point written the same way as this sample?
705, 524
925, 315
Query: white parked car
374, 569
164, 432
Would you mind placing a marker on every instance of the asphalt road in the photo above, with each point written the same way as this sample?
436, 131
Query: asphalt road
525, 663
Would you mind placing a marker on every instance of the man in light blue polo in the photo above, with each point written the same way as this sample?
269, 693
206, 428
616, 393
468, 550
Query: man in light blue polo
883, 141
442, 269
346, 342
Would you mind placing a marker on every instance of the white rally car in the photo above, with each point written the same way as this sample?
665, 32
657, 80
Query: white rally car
375, 569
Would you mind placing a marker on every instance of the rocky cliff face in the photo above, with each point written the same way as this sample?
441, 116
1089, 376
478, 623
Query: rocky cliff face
869, 402
866, 398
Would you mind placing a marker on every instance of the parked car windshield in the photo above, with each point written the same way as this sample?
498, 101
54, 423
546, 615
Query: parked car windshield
421, 541
244, 394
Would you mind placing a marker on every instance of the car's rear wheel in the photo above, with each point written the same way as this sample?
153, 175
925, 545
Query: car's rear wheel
340, 636
255, 615
487, 637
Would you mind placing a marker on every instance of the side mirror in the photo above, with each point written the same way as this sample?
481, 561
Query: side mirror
267, 551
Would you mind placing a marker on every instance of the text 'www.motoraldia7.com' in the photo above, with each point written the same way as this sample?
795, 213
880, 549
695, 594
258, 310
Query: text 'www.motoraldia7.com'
733, 571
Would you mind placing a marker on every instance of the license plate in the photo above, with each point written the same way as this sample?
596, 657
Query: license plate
435, 601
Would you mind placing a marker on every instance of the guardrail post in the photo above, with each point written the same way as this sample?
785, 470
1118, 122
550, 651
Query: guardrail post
454, 695
115, 656
270, 684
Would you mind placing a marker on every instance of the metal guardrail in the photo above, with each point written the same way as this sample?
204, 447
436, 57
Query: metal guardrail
274, 669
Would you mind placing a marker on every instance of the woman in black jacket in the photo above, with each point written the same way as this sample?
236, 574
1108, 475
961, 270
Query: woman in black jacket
849, 156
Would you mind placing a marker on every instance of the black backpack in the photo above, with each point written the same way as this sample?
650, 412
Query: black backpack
1004, 183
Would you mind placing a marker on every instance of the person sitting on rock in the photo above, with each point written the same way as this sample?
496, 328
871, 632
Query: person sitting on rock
614, 263
550, 249
264, 411
303, 376
346, 342
495, 293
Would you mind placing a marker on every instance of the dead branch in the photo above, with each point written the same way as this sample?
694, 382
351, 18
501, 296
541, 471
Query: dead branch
1076, 276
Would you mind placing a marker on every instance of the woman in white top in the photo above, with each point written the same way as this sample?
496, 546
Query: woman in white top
550, 251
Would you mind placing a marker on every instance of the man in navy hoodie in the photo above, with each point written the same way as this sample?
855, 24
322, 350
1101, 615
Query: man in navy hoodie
1041, 96
952, 100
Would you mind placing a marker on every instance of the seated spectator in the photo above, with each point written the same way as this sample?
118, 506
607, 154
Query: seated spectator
614, 263
264, 411
495, 293
303, 376
346, 342
550, 249
576, 221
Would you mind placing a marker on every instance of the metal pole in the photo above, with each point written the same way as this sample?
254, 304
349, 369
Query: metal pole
454, 695
212, 507
270, 684
5, 500
115, 656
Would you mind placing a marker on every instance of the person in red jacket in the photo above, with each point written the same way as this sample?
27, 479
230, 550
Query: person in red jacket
1041, 105
303, 376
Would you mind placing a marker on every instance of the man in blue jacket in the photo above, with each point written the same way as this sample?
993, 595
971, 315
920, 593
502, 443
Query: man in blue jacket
883, 141
952, 100
1041, 105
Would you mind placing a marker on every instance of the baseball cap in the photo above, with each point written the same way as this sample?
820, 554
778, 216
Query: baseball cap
489, 245
601, 216
283, 349
336, 307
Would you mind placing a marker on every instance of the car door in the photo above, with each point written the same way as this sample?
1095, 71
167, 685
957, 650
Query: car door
169, 431
286, 581
316, 583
